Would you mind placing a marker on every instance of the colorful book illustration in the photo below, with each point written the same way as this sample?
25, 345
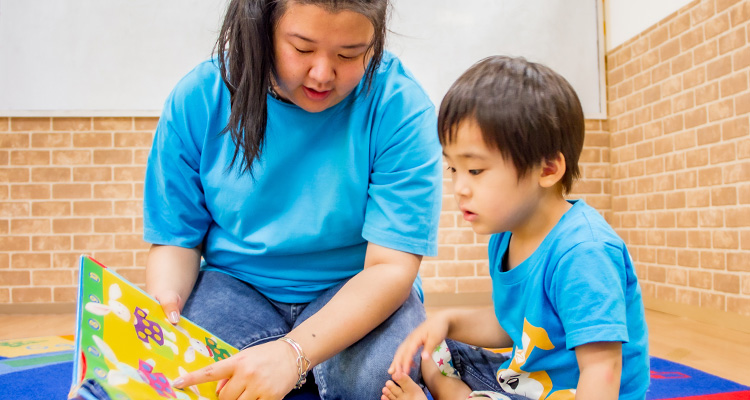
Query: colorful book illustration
126, 348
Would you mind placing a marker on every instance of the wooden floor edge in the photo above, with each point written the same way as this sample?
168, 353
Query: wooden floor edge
38, 308
722, 319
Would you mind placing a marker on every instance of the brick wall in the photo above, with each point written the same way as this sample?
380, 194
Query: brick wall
678, 117
69, 186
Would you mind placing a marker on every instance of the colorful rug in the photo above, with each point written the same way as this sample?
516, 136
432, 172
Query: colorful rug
42, 369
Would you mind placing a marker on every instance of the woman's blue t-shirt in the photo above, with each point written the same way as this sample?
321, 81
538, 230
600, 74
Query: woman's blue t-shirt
365, 170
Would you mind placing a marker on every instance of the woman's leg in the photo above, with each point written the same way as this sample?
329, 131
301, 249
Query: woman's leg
361, 371
234, 311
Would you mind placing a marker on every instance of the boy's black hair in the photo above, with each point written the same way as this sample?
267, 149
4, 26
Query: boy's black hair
525, 110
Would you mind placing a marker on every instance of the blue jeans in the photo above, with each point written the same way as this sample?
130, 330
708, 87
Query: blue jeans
237, 313
478, 366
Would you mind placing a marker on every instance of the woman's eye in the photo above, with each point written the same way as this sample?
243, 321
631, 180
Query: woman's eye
343, 57
475, 171
303, 51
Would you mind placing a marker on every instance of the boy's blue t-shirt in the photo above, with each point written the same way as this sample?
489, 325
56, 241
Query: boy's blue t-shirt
578, 287
365, 170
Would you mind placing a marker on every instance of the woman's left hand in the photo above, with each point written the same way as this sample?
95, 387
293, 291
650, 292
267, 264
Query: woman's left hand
267, 371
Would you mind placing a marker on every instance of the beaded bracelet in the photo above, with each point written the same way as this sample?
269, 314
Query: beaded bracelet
303, 364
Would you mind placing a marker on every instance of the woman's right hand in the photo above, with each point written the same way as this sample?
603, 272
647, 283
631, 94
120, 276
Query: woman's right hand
427, 336
171, 272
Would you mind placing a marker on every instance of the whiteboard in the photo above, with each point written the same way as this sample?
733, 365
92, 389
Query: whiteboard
123, 57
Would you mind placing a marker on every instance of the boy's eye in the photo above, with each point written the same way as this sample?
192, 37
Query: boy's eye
475, 171
451, 169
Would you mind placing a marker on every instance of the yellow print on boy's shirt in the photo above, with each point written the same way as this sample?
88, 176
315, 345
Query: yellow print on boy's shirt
536, 384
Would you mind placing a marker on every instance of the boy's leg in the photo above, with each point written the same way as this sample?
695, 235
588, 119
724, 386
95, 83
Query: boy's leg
233, 310
361, 370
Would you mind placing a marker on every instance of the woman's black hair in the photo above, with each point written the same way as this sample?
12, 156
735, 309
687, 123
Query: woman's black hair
245, 53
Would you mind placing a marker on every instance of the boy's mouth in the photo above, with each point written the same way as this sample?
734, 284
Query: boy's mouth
469, 216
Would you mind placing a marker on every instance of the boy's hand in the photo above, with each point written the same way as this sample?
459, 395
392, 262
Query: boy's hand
600, 364
428, 336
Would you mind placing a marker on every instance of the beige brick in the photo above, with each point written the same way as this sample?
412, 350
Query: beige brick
669, 50
658, 36
64, 294
695, 117
673, 123
653, 94
713, 301
14, 140
692, 38
121, 191
677, 239
738, 217
110, 157
687, 219
31, 295
18, 124
29, 260
29, 192
474, 285
724, 196
14, 209
125, 225
707, 93
693, 78
632, 68
131, 242
140, 157
717, 26
741, 58
710, 176
66, 260
738, 262
129, 174
698, 198
71, 124
93, 242
721, 110
54, 140
71, 191
447, 269
134, 139
51, 243
689, 297
71, 157
722, 153
92, 139
15, 278
677, 276
733, 84
705, 52
697, 158
135, 208
438, 285
735, 173
738, 305
727, 283
4, 124
92, 208
146, 123
700, 279
735, 128
742, 104
682, 63
52, 277
709, 134
113, 124
678, 25
4, 295
29, 157
92, 174
725, 240
688, 258
732, 40
72, 225
4, 227
30, 226
666, 293
50, 174
125, 259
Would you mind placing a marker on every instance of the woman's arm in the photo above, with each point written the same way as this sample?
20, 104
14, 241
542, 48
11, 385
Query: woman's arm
171, 272
269, 370
601, 368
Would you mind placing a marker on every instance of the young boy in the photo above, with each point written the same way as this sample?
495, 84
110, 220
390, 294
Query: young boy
565, 293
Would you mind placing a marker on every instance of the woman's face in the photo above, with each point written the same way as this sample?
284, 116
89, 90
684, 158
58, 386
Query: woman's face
320, 56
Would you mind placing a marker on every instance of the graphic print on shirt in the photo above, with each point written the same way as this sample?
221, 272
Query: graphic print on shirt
535, 384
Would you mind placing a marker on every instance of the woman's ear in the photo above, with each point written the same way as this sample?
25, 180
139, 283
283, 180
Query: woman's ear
553, 170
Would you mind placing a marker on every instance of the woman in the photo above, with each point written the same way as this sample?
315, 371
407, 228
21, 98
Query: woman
302, 165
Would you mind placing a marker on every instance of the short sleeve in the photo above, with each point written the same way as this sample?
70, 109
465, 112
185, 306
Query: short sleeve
174, 206
588, 293
404, 193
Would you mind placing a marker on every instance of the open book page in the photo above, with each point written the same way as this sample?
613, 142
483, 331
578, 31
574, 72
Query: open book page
126, 348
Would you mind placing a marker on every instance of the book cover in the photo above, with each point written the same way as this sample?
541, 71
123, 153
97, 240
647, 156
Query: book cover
126, 348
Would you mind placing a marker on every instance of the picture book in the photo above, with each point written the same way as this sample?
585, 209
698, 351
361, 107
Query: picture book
127, 349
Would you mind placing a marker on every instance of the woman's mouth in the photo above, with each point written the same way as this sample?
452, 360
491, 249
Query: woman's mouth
315, 95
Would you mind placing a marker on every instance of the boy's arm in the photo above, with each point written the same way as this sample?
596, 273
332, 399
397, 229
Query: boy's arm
601, 368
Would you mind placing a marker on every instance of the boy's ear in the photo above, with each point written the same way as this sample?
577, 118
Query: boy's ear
552, 172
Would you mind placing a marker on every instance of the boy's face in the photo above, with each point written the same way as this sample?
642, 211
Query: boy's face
486, 185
